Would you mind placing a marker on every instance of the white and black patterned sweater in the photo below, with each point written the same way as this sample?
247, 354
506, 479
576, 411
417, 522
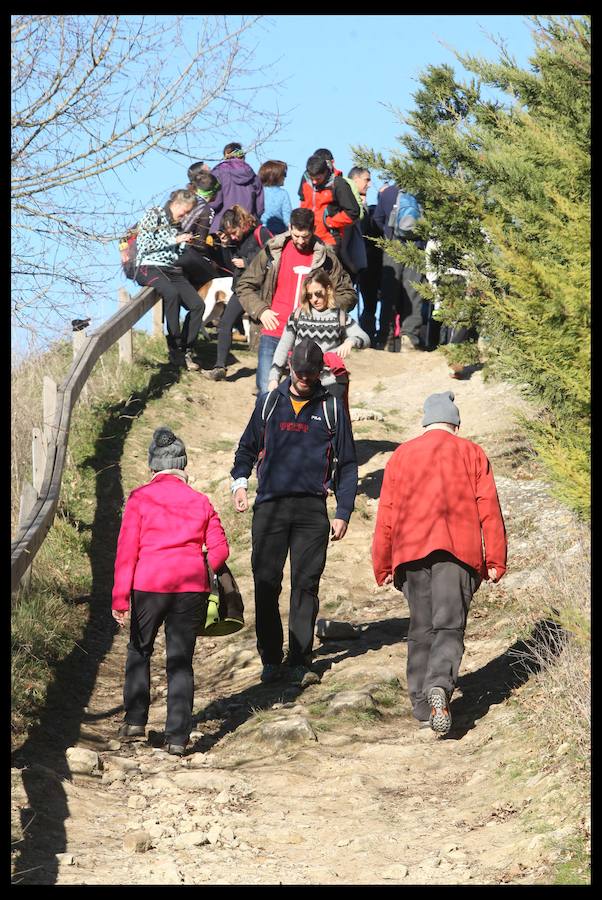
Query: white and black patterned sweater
325, 329
155, 244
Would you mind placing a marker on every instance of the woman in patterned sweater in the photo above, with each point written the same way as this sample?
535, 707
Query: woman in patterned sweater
319, 318
160, 244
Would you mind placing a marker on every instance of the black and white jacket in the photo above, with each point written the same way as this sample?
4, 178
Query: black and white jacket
329, 328
156, 240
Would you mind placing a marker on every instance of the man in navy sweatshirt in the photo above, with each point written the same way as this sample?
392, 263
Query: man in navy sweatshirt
289, 438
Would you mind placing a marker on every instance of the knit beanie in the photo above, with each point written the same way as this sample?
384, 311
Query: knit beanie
440, 408
166, 451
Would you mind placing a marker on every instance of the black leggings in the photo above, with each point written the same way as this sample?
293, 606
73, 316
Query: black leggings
176, 290
182, 614
224, 334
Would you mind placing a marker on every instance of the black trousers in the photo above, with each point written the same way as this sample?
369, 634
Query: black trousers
298, 524
197, 268
176, 290
369, 281
182, 615
398, 296
229, 317
439, 591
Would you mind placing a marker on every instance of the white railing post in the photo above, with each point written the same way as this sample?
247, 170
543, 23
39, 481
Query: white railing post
49, 407
29, 495
158, 318
38, 458
126, 344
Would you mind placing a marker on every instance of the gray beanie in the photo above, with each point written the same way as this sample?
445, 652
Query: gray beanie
440, 408
166, 451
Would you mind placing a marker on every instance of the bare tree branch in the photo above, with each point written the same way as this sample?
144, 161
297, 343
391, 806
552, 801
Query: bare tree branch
95, 95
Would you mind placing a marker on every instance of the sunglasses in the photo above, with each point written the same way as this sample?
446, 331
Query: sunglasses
318, 294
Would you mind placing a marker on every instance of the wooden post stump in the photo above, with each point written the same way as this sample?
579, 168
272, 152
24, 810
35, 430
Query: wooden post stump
29, 495
158, 318
126, 343
38, 458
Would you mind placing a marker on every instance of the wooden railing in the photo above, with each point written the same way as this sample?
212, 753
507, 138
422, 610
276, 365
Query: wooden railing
49, 445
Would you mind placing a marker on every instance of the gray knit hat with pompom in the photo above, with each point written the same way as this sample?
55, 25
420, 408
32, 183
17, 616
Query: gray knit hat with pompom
441, 408
166, 451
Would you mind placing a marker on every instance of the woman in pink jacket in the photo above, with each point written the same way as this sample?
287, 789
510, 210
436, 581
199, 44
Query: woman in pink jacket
160, 564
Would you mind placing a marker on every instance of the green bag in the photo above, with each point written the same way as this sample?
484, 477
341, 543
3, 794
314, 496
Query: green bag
225, 609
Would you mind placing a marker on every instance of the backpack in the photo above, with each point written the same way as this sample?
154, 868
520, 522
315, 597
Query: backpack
257, 235
128, 247
329, 409
404, 215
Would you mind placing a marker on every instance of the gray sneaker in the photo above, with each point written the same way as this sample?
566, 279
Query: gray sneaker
218, 373
303, 676
131, 732
440, 718
271, 672
176, 749
190, 362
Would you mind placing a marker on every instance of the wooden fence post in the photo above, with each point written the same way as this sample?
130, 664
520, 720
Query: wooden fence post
49, 405
29, 496
158, 318
126, 344
38, 458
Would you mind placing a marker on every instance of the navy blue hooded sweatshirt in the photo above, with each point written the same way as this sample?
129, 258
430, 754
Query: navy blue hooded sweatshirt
295, 458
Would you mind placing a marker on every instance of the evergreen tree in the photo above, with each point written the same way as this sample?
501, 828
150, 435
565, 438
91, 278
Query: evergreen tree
506, 192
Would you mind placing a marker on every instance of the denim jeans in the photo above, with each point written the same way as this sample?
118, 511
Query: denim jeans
265, 355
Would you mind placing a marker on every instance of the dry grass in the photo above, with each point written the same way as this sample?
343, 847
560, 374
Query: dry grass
561, 654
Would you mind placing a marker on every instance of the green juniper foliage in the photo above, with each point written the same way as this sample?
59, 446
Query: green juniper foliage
505, 186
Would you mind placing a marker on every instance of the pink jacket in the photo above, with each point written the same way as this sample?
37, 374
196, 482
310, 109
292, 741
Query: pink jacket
164, 527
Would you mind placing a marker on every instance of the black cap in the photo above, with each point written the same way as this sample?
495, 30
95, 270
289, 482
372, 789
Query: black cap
307, 358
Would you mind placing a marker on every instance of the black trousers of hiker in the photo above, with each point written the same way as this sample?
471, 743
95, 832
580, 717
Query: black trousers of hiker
197, 268
182, 614
176, 290
398, 296
439, 591
231, 314
298, 524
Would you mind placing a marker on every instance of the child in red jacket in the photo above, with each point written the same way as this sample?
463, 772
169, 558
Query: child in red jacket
438, 506
160, 563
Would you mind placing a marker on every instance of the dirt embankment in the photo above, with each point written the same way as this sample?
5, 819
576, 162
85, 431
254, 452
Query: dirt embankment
333, 784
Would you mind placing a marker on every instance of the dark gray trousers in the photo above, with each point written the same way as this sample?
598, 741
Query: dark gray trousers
182, 614
398, 296
439, 591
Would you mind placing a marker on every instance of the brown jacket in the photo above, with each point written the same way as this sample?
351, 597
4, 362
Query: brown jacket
257, 284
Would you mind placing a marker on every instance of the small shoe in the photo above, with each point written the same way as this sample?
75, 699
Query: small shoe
440, 718
204, 334
131, 732
408, 344
218, 373
271, 672
190, 363
303, 676
176, 749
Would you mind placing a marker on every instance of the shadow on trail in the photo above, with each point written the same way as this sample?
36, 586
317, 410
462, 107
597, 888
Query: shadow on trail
42, 757
495, 681
234, 710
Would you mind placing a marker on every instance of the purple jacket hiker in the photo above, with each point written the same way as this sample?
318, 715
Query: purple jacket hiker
239, 184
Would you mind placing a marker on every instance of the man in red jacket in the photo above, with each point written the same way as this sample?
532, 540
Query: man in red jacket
438, 507
332, 201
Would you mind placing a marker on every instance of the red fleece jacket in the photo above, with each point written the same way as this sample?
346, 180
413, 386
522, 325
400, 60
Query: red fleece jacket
438, 493
160, 546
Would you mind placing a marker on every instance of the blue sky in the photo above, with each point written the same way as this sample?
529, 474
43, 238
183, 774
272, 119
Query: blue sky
339, 73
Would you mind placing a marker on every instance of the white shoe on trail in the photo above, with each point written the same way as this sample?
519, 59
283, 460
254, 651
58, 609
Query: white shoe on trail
440, 718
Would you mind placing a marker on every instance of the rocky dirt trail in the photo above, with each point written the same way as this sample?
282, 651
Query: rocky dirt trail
335, 783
